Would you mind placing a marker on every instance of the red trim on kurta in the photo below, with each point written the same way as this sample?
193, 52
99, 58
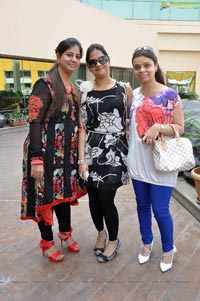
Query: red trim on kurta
24, 218
46, 214
46, 211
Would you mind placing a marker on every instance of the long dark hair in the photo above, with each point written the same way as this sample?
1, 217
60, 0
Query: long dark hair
97, 47
147, 51
58, 88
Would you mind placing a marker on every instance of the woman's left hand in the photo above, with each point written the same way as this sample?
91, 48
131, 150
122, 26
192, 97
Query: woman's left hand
151, 135
37, 172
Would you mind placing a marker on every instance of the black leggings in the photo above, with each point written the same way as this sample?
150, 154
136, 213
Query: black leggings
63, 213
102, 207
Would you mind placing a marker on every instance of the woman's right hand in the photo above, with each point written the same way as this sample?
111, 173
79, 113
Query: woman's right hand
83, 171
37, 172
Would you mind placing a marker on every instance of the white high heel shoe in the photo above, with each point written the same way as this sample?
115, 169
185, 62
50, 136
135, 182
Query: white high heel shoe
143, 259
164, 267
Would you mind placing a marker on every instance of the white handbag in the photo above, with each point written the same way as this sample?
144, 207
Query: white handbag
173, 154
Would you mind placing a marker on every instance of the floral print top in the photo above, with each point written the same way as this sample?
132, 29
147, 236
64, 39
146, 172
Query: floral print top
53, 141
104, 117
144, 112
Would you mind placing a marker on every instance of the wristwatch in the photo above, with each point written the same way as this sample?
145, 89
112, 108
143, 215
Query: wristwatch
81, 162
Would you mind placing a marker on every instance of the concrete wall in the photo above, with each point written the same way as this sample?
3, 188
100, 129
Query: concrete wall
34, 28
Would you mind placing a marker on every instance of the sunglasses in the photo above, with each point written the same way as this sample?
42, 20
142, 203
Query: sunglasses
141, 49
101, 60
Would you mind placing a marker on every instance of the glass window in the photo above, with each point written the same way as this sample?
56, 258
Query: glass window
10, 86
149, 9
41, 73
27, 85
8, 74
122, 9
25, 73
125, 75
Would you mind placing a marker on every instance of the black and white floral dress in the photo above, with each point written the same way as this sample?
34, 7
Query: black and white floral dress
104, 117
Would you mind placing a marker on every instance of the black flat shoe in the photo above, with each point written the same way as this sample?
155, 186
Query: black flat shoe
99, 251
102, 258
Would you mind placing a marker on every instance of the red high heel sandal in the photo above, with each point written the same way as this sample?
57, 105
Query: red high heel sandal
73, 247
45, 245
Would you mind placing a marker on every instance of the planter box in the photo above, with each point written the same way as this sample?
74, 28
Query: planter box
196, 176
17, 122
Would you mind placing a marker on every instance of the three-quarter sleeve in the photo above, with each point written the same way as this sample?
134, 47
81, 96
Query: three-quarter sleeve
39, 103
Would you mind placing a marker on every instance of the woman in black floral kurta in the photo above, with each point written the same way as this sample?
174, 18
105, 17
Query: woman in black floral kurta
50, 179
103, 147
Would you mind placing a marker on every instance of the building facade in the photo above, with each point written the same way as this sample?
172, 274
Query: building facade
149, 9
27, 47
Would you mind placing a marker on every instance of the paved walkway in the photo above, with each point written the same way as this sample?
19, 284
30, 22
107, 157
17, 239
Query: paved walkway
26, 276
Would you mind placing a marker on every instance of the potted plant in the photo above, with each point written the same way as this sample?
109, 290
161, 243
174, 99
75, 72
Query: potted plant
16, 118
196, 176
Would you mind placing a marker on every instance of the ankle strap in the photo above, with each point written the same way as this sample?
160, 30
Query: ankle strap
149, 251
46, 244
168, 253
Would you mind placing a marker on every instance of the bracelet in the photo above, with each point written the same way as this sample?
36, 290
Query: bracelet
81, 162
162, 127
37, 162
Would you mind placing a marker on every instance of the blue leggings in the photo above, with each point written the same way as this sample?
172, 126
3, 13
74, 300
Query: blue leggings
157, 198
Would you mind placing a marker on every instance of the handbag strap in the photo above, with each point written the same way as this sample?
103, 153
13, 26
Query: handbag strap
179, 141
176, 131
177, 136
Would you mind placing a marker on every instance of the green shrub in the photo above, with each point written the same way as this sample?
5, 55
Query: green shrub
191, 95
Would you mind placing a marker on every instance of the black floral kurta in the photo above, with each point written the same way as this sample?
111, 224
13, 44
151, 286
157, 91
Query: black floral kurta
53, 140
104, 117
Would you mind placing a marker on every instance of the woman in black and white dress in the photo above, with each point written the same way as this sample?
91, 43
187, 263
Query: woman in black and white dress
103, 147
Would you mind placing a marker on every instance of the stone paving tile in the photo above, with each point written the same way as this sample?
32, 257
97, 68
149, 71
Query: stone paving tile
26, 275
